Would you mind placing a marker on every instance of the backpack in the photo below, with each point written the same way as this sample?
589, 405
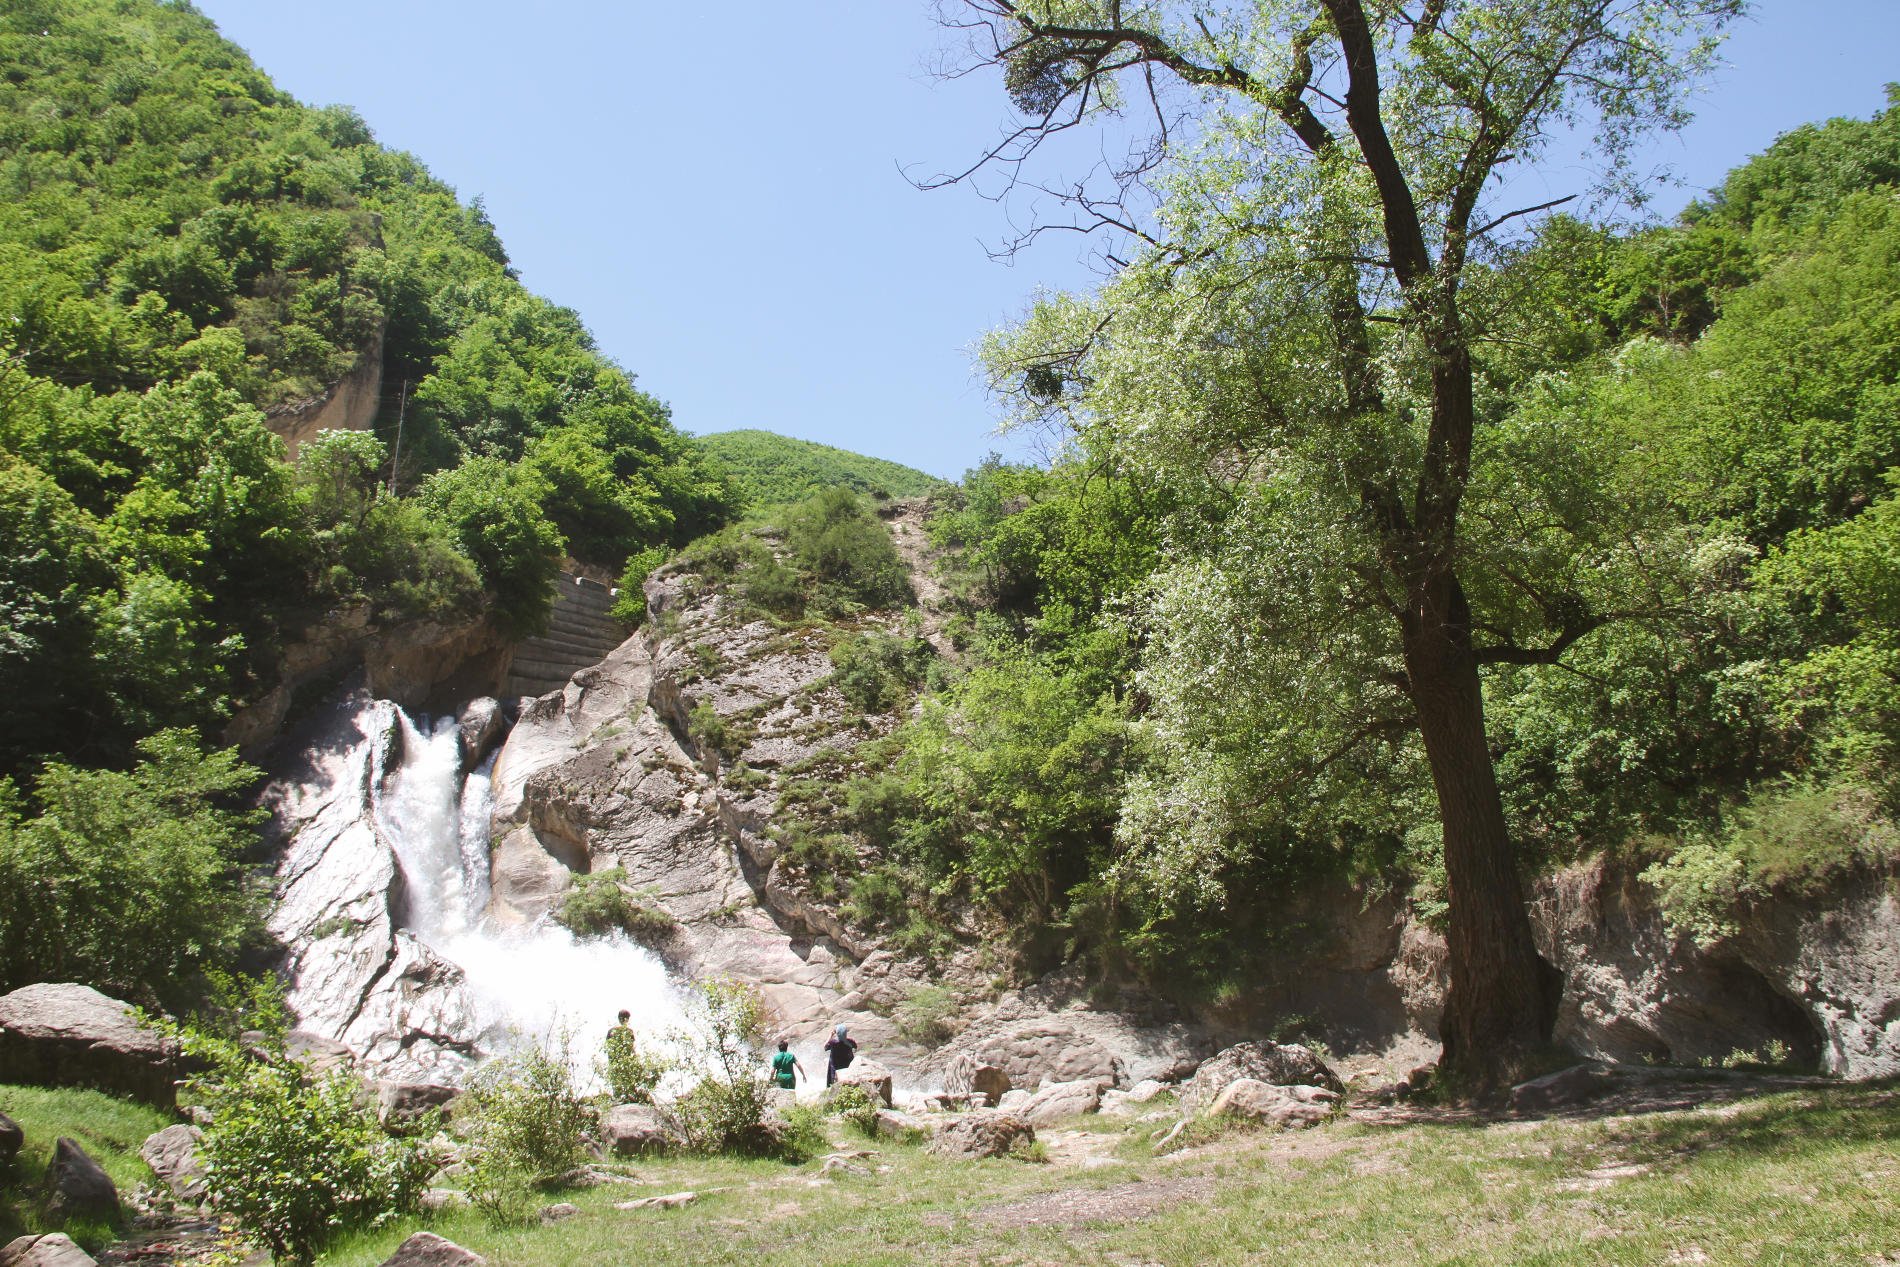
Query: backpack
842, 1050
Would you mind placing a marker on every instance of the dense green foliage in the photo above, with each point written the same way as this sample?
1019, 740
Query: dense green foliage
828, 555
600, 904
1690, 429
773, 470
183, 249
128, 881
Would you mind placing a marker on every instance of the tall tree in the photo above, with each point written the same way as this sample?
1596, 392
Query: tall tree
1326, 175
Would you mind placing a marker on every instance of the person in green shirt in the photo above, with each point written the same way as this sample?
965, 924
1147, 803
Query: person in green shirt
785, 1067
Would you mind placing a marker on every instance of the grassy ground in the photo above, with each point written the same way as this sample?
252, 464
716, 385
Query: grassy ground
1804, 1177
110, 1130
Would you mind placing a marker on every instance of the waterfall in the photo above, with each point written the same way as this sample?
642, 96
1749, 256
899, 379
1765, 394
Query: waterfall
537, 981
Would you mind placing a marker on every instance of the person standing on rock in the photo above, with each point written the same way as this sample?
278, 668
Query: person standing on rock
785, 1067
620, 1038
839, 1052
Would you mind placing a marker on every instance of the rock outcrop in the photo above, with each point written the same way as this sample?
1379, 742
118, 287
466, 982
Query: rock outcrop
633, 1130
1061, 1100
78, 1187
66, 1035
52, 1249
1257, 1101
173, 1156
1275, 1064
356, 977
426, 1249
991, 1133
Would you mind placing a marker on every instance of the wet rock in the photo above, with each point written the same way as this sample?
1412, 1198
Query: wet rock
54, 1249
1062, 1100
426, 1249
482, 723
1277, 1064
868, 1074
12, 1139
67, 1035
1566, 1087
173, 1156
78, 1187
631, 1130
991, 1133
1285, 1107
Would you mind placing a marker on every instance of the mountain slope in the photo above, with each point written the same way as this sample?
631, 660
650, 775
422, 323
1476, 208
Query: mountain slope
776, 470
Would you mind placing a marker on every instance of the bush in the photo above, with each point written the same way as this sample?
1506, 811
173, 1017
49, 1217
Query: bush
599, 905
526, 1120
297, 1159
630, 606
926, 1014
129, 881
725, 1112
855, 1105
493, 511
631, 1074
836, 539
877, 671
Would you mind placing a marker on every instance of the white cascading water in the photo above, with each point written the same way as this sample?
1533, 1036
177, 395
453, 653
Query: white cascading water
537, 981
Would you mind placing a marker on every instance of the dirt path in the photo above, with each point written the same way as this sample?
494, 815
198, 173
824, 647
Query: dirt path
920, 557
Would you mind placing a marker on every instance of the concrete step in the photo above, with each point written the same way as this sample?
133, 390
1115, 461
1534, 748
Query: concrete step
573, 625
530, 658
589, 645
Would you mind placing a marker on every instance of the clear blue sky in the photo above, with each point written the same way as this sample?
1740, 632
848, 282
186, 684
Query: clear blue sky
716, 187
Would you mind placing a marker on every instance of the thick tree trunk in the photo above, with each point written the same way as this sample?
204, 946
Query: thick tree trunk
1500, 1008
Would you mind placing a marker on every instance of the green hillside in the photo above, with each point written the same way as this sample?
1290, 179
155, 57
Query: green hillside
775, 470
185, 248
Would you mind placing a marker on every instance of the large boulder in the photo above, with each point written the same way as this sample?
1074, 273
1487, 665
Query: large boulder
12, 1139
1062, 1100
173, 1156
55, 1249
426, 1249
400, 1105
1286, 1107
78, 1187
991, 1133
1276, 1064
67, 1035
629, 1130
965, 1075
873, 1077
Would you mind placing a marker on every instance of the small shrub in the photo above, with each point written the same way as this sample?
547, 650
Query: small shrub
877, 671
297, 1160
599, 905
838, 540
855, 1105
630, 604
725, 1111
524, 1115
631, 1074
706, 728
926, 1014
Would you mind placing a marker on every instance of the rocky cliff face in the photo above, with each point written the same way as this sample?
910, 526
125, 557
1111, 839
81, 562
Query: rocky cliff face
670, 757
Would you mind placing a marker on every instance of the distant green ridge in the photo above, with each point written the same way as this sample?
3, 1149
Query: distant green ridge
775, 470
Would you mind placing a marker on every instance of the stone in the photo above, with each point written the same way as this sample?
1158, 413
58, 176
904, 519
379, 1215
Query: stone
426, 1249
1013, 1101
1277, 1064
990, 1133
1145, 1090
173, 1156
558, 1211
671, 1201
436, 1200
1286, 1107
59, 1034
630, 1130
482, 722
1062, 1100
54, 1249
966, 1076
892, 1124
873, 1077
77, 1186
839, 1164
12, 1139
400, 1105
1566, 1087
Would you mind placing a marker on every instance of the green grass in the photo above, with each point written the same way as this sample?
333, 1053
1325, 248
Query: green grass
1804, 1178
109, 1129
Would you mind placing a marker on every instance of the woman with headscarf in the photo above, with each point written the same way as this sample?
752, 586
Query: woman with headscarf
839, 1052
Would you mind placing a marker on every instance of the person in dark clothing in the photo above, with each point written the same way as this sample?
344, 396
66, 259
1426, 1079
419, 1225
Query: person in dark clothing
839, 1052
